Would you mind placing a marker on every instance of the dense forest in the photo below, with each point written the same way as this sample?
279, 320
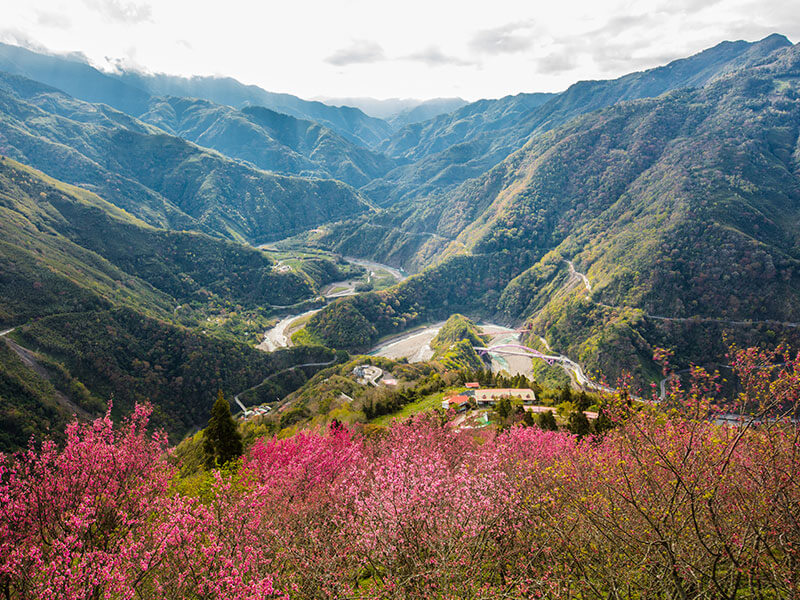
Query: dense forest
679, 209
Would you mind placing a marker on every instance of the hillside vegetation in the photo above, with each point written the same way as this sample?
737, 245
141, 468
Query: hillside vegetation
100, 295
681, 206
162, 179
424, 509
267, 139
454, 345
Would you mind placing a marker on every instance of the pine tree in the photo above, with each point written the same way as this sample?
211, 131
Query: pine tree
579, 424
527, 419
222, 441
566, 394
583, 402
603, 423
547, 421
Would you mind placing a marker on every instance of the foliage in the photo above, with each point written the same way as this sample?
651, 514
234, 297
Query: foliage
222, 441
454, 345
27, 403
122, 354
460, 283
667, 504
164, 180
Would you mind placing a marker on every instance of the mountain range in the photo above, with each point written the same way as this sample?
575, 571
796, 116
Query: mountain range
659, 209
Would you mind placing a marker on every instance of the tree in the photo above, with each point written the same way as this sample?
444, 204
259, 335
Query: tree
579, 424
603, 423
583, 402
566, 394
222, 441
527, 419
547, 421
503, 408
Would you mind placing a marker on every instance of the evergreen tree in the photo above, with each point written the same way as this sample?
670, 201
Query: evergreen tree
222, 441
603, 423
527, 419
566, 394
503, 408
583, 402
547, 421
579, 424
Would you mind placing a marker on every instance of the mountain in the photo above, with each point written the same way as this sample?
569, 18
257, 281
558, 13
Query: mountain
104, 305
160, 178
349, 122
452, 148
425, 111
131, 92
682, 210
399, 112
75, 76
269, 140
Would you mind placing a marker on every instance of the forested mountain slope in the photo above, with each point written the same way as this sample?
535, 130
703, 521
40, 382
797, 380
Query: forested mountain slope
683, 206
452, 148
269, 140
131, 92
162, 179
91, 293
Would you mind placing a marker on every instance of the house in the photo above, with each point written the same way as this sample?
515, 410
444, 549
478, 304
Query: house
459, 403
489, 397
473, 385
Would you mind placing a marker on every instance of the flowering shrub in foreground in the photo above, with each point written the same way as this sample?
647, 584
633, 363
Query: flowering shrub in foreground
667, 505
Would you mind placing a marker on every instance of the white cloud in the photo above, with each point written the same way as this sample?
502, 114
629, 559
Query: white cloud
358, 52
121, 10
465, 48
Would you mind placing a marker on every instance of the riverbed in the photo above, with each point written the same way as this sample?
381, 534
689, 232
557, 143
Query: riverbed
279, 336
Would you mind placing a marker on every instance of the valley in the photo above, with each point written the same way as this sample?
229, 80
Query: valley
540, 344
597, 225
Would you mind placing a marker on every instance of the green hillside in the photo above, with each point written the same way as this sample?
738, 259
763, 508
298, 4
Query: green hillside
454, 345
267, 139
107, 307
164, 180
132, 91
685, 206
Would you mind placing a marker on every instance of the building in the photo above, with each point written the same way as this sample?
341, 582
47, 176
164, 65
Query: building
473, 385
459, 403
489, 397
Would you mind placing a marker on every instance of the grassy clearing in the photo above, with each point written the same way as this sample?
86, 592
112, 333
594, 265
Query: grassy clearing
427, 403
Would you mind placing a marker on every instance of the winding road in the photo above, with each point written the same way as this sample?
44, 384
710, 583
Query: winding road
28, 358
279, 336
697, 319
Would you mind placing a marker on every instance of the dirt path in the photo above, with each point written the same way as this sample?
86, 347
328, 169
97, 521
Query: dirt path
29, 359
573, 273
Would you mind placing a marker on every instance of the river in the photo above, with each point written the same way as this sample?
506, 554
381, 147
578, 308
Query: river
279, 336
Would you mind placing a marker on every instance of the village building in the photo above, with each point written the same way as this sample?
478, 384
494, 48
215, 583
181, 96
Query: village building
459, 403
489, 397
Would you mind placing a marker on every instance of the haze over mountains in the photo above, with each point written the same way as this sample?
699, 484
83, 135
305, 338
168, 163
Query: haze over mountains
675, 190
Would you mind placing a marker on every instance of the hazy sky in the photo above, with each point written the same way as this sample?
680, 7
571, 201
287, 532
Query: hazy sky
413, 48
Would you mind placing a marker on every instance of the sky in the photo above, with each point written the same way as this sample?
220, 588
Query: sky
387, 49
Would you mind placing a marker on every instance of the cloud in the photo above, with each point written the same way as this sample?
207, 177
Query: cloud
122, 11
434, 57
686, 7
514, 37
53, 19
557, 62
358, 52
621, 24
17, 37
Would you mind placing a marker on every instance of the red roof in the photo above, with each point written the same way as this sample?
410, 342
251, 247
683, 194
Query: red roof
473, 384
458, 399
